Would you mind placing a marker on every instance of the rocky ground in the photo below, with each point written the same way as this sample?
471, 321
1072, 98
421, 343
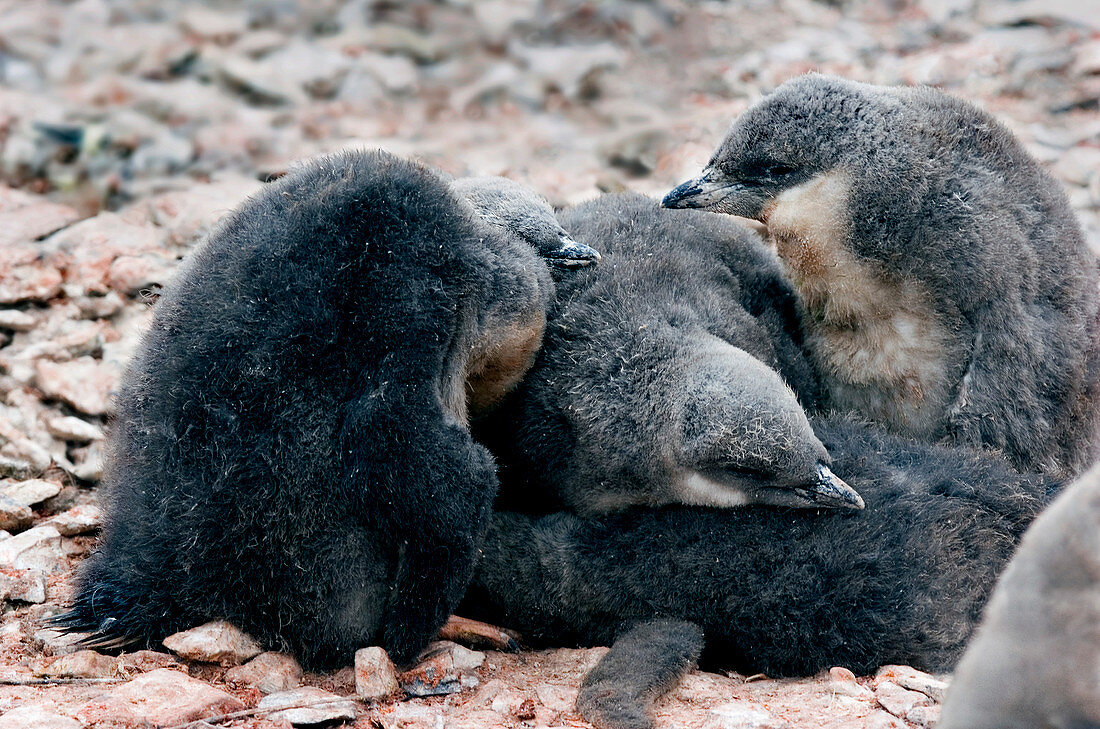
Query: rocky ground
128, 128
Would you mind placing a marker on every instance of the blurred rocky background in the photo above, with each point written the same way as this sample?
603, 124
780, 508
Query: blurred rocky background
127, 128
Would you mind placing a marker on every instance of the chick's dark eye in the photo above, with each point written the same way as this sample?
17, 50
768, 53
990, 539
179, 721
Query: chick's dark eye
780, 170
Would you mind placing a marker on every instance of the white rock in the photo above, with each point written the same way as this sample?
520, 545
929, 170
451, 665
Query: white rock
375, 675
36, 717
17, 321
269, 672
73, 429
216, 642
80, 519
14, 517
38, 548
740, 715
314, 706
23, 586
82, 664
29, 493
897, 700
843, 682
84, 383
161, 698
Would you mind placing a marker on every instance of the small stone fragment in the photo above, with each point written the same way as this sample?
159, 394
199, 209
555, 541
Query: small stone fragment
375, 675
73, 429
162, 698
445, 668
308, 706
15, 468
23, 586
14, 517
882, 720
269, 672
17, 321
145, 660
843, 682
924, 715
38, 548
740, 715
899, 701
24, 717
81, 664
80, 519
216, 642
31, 492
83, 383
914, 680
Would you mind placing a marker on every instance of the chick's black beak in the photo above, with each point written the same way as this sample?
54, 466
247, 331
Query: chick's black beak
829, 491
704, 191
571, 254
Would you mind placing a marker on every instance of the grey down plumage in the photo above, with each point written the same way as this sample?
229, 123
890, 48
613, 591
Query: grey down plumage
773, 589
291, 451
945, 284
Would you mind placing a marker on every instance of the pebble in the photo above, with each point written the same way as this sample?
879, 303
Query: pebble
741, 715
162, 698
914, 680
84, 383
73, 429
38, 548
897, 700
29, 493
375, 675
17, 320
314, 706
80, 519
444, 668
145, 660
23, 585
35, 717
81, 664
843, 682
215, 642
269, 672
14, 517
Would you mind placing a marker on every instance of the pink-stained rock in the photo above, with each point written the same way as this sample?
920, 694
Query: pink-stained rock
25, 217
36, 717
269, 672
26, 278
308, 706
17, 320
161, 698
215, 642
80, 519
84, 383
843, 682
375, 675
85, 251
38, 548
444, 668
133, 274
23, 585
914, 680
145, 660
81, 664
897, 700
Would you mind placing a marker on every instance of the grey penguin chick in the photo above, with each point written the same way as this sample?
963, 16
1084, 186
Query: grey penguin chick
602, 423
291, 448
946, 287
1033, 661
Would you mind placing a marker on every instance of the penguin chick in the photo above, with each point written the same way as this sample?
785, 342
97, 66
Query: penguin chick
290, 451
1033, 661
946, 287
656, 385
778, 591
